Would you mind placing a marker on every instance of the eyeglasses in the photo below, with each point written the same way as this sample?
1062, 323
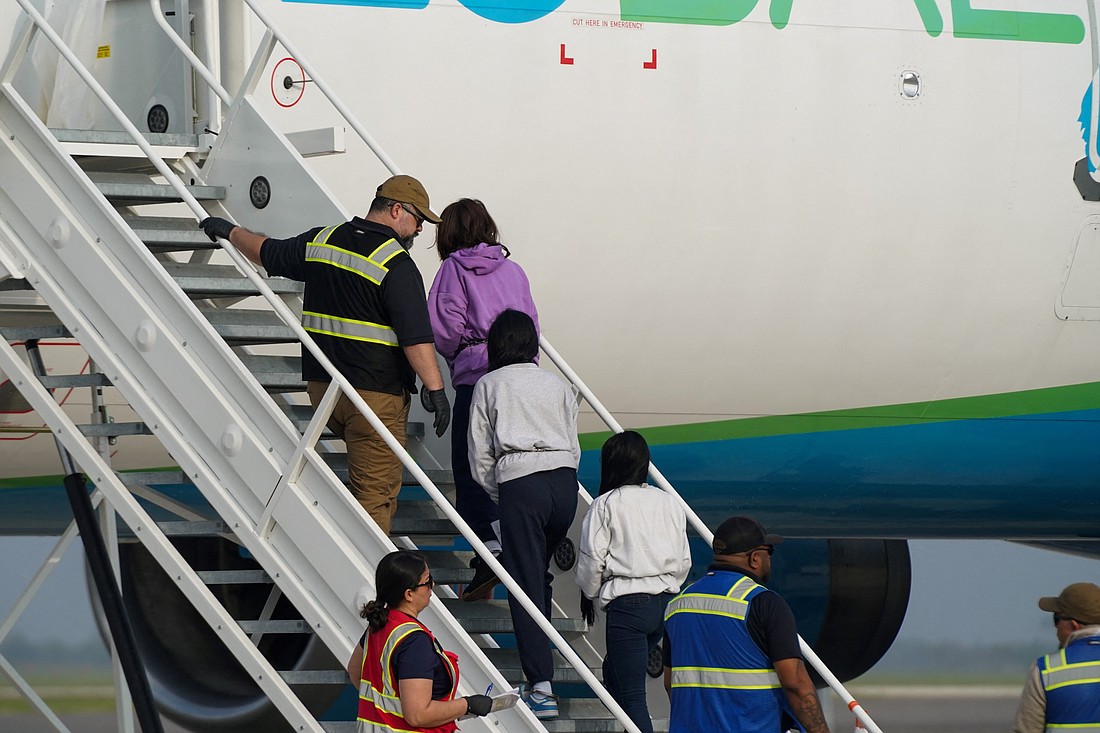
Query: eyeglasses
413, 213
770, 549
430, 582
1059, 618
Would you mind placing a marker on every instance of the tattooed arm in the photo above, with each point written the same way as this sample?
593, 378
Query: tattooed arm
801, 694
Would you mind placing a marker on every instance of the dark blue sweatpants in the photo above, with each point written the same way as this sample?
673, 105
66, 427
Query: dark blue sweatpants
471, 500
535, 514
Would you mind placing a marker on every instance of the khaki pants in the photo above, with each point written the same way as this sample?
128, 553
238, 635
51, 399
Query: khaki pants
374, 471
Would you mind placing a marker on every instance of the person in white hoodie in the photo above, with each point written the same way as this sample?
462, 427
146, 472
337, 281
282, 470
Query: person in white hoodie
633, 559
524, 451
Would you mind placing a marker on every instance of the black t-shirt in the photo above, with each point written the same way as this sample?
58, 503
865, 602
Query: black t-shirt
770, 624
399, 302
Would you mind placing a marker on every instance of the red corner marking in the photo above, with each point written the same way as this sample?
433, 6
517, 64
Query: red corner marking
651, 64
566, 60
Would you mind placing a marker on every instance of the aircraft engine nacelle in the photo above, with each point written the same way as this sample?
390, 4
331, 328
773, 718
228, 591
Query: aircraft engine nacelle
195, 680
849, 597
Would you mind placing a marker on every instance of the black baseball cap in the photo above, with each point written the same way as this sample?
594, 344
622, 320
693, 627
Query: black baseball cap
741, 534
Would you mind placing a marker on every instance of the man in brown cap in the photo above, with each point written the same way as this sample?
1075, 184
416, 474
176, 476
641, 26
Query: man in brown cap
364, 304
1063, 689
732, 657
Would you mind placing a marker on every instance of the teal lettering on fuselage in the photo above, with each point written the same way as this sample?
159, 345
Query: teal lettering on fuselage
968, 22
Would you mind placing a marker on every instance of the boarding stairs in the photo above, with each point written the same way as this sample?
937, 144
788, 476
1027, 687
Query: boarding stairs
126, 186
97, 231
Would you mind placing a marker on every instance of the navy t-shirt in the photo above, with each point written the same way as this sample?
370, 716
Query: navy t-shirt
770, 624
416, 658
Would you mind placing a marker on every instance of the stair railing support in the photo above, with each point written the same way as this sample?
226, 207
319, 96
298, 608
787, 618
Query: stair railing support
99, 562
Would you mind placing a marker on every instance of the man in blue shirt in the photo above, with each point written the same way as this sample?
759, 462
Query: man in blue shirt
732, 657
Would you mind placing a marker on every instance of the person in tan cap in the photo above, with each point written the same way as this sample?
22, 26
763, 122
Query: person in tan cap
1063, 689
364, 305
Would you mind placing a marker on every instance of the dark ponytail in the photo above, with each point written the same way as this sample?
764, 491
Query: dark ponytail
624, 461
396, 573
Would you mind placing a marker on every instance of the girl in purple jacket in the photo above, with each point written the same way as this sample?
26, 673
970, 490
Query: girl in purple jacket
475, 283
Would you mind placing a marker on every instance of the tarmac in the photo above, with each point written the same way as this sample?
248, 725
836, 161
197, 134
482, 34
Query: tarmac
895, 709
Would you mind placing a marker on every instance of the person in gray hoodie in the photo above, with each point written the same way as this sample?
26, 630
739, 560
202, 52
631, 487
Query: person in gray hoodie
524, 451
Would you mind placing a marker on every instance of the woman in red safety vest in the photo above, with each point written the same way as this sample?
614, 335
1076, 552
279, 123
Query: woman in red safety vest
407, 681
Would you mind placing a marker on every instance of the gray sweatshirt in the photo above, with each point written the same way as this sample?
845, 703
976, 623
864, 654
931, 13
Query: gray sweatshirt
522, 420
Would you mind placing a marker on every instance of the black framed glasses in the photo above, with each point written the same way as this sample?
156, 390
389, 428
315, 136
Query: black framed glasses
1059, 618
430, 582
414, 214
770, 549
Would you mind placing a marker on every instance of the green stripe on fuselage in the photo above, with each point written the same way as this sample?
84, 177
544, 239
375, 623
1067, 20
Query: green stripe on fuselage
1011, 404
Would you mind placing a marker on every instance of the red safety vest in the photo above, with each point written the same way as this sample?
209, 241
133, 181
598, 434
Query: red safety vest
379, 703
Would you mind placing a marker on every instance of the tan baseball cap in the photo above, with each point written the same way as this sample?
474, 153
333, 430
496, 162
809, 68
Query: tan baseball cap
1080, 601
408, 190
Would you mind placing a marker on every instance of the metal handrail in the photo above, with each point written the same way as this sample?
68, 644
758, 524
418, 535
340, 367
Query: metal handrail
700, 527
346, 387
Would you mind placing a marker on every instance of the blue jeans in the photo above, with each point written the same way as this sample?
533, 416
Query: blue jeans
635, 624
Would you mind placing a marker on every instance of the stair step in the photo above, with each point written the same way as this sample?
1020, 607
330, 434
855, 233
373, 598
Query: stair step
133, 189
275, 626
215, 281
239, 326
276, 373
507, 661
56, 381
231, 577
198, 528
448, 567
300, 416
315, 677
34, 331
170, 233
338, 726
493, 617
420, 518
114, 429
338, 462
153, 478
589, 715
121, 137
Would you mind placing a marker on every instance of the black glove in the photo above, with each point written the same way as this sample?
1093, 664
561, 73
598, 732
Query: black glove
588, 610
436, 401
479, 705
216, 227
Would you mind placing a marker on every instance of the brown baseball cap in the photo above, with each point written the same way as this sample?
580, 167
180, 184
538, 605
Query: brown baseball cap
741, 534
1080, 601
408, 190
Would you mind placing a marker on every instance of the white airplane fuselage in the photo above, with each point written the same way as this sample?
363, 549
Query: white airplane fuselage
831, 254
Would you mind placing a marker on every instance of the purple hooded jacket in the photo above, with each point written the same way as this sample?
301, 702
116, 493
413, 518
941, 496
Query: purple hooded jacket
473, 286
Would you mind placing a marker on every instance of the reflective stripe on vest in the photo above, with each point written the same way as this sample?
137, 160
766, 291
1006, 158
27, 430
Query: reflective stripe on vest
1060, 674
733, 604
728, 679
347, 328
372, 267
1074, 727
386, 715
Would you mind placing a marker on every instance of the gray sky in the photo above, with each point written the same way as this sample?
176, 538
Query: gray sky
966, 591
